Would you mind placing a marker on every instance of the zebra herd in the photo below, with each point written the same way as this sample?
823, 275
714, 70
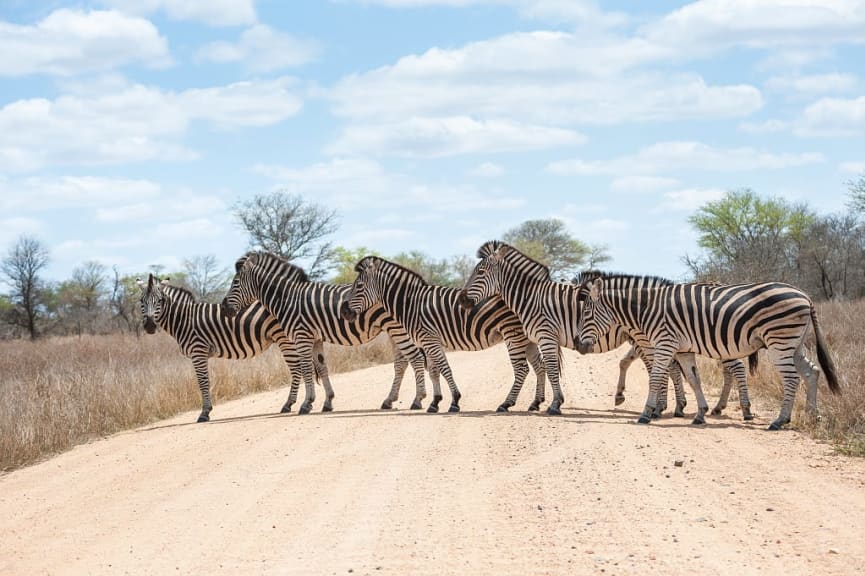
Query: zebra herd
509, 297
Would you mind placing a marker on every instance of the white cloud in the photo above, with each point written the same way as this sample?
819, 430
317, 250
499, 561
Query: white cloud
640, 184
855, 167
446, 136
350, 183
684, 155
262, 49
42, 193
705, 26
132, 123
813, 84
487, 170
833, 117
213, 12
768, 127
690, 199
12, 228
68, 42
127, 213
193, 229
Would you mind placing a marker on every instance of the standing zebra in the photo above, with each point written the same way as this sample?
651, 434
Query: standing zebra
435, 321
723, 322
733, 370
309, 312
202, 331
548, 310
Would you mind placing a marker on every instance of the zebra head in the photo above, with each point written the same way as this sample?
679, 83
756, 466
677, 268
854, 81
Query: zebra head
596, 318
485, 279
243, 286
151, 301
365, 291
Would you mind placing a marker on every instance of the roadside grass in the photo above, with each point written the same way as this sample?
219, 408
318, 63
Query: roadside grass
59, 392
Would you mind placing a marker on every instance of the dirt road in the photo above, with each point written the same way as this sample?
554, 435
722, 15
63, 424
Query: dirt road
368, 492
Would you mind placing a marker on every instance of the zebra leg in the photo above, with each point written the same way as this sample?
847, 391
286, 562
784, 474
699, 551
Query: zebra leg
418, 365
660, 361
679, 389
785, 362
624, 364
200, 365
437, 389
534, 358
304, 350
735, 370
811, 373
725, 391
549, 347
434, 349
689, 368
517, 354
321, 374
292, 393
400, 363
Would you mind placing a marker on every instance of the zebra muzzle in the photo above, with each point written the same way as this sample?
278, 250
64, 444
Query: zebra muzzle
346, 313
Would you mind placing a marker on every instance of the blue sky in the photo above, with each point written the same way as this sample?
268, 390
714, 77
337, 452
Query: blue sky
129, 128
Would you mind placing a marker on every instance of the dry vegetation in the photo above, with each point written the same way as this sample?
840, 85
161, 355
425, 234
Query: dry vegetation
60, 392
63, 391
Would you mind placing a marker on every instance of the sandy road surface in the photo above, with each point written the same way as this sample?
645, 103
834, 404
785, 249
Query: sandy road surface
367, 492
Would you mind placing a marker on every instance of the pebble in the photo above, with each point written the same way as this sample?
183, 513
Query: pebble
679, 463
834, 551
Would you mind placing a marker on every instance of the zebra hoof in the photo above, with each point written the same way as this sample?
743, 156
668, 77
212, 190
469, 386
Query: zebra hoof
679, 413
554, 411
327, 409
305, 409
698, 420
716, 411
386, 405
620, 399
415, 405
454, 408
203, 418
748, 417
285, 409
502, 408
643, 419
534, 406
777, 424
432, 409
656, 414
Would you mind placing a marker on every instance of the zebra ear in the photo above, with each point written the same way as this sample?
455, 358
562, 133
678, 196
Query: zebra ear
140, 283
595, 290
150, 279
164, 281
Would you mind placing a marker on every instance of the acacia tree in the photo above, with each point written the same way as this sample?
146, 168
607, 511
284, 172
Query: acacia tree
205, 278
123, 301
747, 238
287, 225
856, 191
549, 242
21, 268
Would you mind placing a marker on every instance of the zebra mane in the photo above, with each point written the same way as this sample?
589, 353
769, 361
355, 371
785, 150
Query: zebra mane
585, 277
487, 248
367, 260
274, 262
526, 264
182, 291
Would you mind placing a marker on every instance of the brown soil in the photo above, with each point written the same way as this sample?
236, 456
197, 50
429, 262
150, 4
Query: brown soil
369, 492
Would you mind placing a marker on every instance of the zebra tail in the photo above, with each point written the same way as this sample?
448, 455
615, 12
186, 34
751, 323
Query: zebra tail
823, 357
753, 361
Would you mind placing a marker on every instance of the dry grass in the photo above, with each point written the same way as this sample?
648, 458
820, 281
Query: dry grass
842, 417
60, 392
64, 391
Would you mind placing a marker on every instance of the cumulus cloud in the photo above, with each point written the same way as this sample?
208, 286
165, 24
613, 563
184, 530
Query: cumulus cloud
690, 199
446, 136
685, 155
212, 12
262, 49
41, 193
833, 117
487, 170
68, 42
132, 123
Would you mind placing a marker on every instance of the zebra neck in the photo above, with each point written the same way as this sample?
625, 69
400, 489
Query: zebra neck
397, 297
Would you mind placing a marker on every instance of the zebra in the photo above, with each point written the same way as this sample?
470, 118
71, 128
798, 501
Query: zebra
719, 321
436, 322
309, 311
202, 332
733, 370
